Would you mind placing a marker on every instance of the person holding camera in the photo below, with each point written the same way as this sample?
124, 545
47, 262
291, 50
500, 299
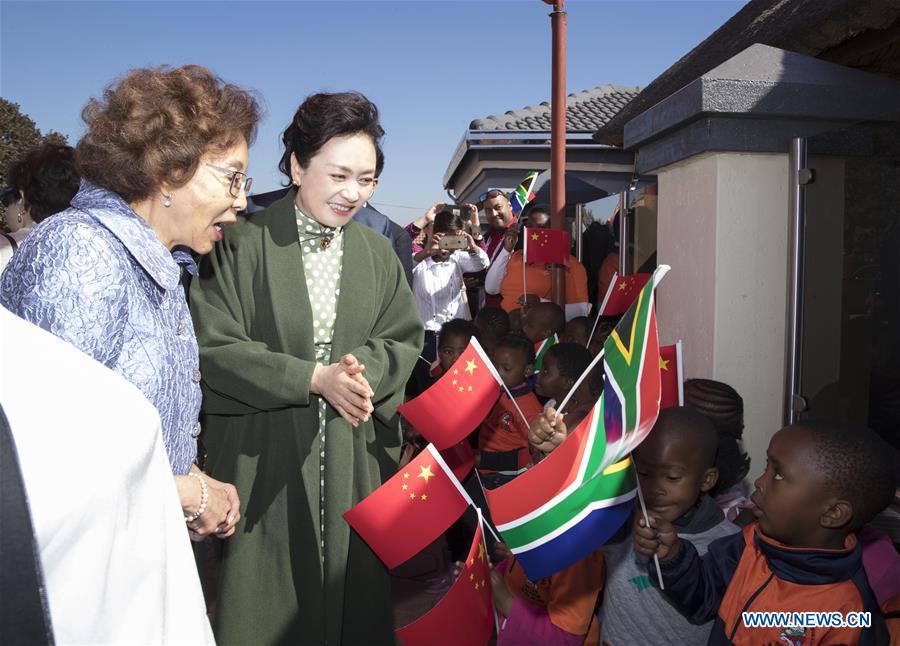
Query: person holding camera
438, 284
420, 228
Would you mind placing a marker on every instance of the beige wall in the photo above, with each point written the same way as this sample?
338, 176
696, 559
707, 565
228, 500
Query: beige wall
644, 230
723, 225
686, 240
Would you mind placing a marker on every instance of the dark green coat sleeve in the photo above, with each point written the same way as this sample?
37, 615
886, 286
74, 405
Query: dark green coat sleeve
241, 375
395, 342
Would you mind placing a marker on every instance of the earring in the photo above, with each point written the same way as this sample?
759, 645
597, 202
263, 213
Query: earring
19, 218
167, 202
296, 183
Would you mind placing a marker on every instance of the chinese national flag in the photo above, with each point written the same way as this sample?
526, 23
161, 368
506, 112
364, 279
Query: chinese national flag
465, 614
670, 373
460, 459
456, 403
622, 292
409, 511
547, 246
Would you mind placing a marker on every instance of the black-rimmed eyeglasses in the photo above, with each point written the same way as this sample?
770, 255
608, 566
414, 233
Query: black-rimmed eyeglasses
239, 181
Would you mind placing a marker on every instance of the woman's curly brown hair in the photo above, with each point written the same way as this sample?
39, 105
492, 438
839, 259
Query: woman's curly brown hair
154, 125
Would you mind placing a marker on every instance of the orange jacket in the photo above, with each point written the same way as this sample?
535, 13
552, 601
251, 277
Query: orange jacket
538, 281
752, 572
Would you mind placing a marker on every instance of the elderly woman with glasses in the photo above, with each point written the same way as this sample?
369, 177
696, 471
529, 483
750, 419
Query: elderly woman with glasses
163, 165
308, 332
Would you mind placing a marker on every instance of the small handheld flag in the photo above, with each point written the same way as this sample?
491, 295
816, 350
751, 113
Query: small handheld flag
410, 510
458, 402
563, 509
546, 246
621, 293
523, 194
671, 373
566, 506
541, 349
465, 614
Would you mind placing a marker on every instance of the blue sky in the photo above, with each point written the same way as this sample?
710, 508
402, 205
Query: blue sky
430, 66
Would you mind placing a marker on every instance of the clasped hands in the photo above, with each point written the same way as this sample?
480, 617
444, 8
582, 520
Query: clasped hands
343, 386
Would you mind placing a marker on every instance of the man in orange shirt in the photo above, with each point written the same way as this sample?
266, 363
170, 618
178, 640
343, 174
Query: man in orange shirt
505, 275
538, 281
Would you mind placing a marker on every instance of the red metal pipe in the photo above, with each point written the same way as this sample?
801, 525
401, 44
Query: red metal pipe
558, 140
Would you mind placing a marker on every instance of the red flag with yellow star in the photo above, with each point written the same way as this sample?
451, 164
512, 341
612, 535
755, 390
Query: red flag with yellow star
671, 376
622, 292
546, 246
465, 614
411, 509
456, 403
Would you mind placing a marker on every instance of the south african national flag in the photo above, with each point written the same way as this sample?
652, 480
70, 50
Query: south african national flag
541, 349
524, 193
571, 503
632, 388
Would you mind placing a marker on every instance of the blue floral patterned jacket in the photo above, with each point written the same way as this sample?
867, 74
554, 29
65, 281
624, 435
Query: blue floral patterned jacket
97, 276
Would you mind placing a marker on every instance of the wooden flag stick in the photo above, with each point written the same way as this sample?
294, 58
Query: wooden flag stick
679, 370
578, 383
490, 366
478, 509
647, 520
524, 269
516, 404
484, 524
456, 483
609, 289
427, 362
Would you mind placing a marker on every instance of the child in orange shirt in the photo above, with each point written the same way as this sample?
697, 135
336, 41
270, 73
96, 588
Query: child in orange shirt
557, 611
503, 437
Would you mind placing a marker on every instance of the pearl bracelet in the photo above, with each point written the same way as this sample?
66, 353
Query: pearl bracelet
204, 498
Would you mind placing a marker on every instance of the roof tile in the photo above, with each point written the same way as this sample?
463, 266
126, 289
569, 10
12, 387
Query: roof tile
587, 110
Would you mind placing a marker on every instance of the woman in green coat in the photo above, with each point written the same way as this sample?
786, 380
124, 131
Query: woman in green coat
308, 332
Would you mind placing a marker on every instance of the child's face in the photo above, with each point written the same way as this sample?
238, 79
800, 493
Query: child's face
532, 330
450, 347
789, 495
512, 365
576, 333
672, 475
515, 321
550, 383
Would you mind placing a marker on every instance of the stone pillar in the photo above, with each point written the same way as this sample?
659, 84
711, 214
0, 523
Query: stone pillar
723, 229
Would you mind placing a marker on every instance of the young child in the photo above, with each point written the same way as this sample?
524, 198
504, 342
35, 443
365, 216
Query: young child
724, 407
438, 285
821, 484
563, 365
492, 324
556, 611
577, 331
542, 321
503, 437
605, 327
453, 340
676, 471
559, 609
